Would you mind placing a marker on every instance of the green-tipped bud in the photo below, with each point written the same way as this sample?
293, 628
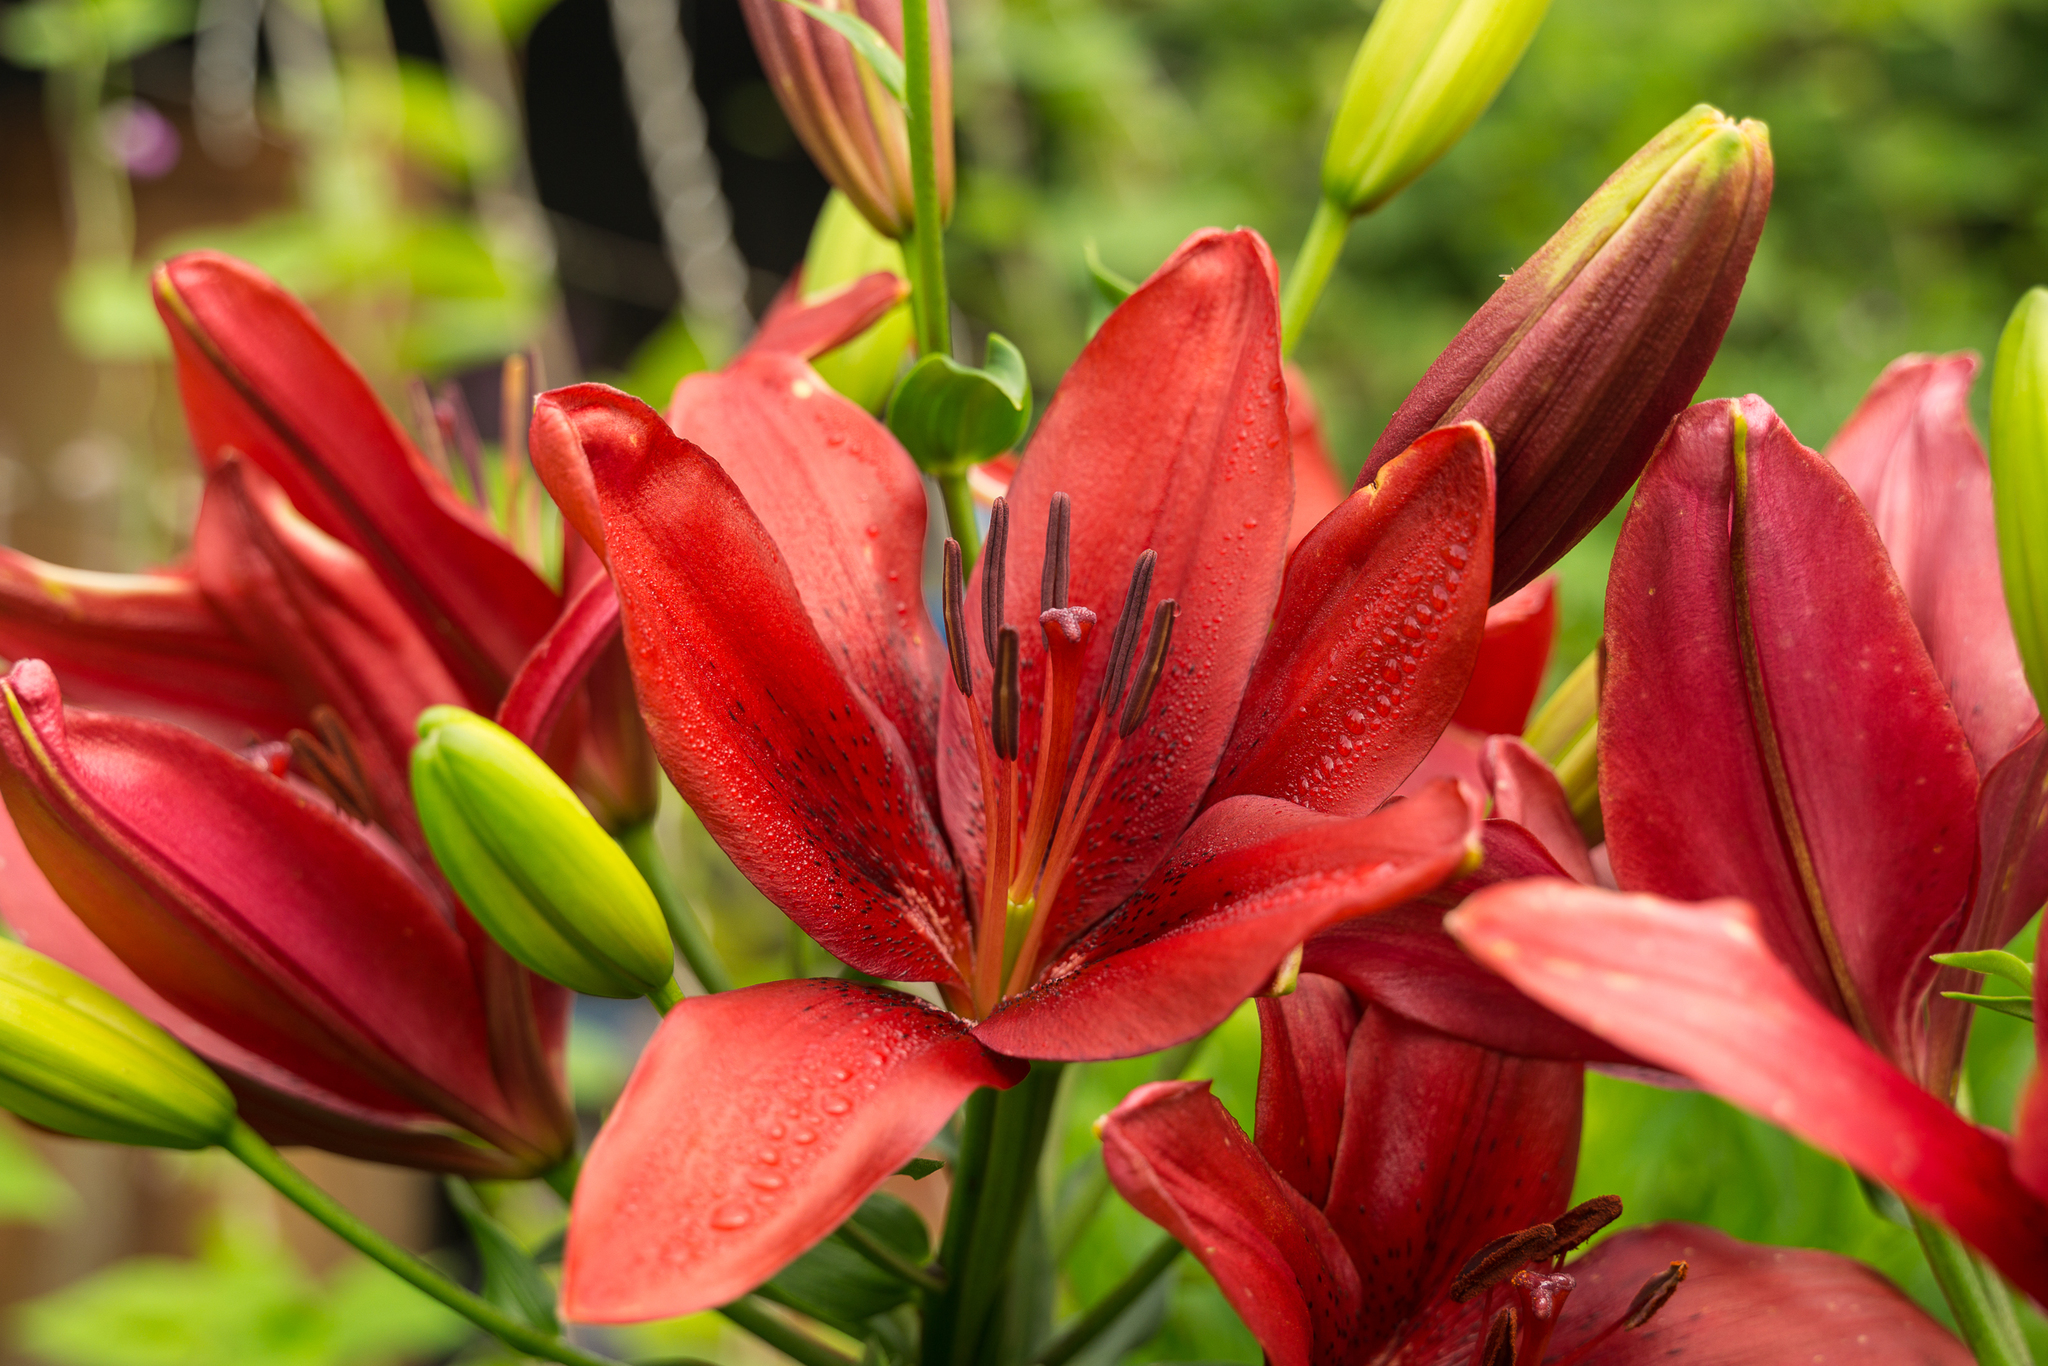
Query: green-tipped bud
1424, 74
1566, 732
531, 864
2019, 479
75, 1059
844, 247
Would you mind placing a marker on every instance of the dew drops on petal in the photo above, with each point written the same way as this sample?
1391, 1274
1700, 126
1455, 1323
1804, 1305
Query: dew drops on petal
733, 1214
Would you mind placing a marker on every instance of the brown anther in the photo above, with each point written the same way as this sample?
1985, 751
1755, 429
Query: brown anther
1652, 1297
1149, 672
1123, 646
1499, 1347
1005, 699
1582, 1221
1497, 1262
515, 408
330, 763
994, 558
955, 602
1052, 580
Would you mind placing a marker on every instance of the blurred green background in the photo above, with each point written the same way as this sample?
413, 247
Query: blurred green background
1911, 209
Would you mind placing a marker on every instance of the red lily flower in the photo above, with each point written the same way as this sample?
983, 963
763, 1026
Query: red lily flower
783, 665
283, 916
1404, 1199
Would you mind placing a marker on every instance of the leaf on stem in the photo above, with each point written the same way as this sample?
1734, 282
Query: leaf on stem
512, 1279
868, 44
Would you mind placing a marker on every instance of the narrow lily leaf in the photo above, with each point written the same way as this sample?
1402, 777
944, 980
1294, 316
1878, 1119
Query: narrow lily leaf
1113, 286
512, 1279
2019, 1007
1695, 988
874, 49
1993, 963
1834, 791
835, 1283
1377, 631
950, 416
755, 1122
918, 1168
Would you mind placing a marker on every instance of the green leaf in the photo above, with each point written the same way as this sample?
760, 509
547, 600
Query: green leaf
918, 1168
949, 416
54, 33
869, 45
837, 1285
1110, 284
512, 1280
2020, 1007
1992, 963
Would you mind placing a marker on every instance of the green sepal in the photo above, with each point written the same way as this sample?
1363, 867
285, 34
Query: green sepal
868, 44
2019, 1007
75, 1059
512, 1279
950, 416
1992, 963
835, 1284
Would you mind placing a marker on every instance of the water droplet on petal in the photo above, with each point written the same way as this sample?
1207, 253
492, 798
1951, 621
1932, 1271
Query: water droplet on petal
731, 1215
836, 1105
1354, 721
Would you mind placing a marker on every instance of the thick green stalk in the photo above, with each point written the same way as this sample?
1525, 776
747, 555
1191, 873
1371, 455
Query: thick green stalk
256, 1154
1981, 1303
928, 236
960, 516
785, 1337
683, 925
1312, 267
1110, 1307
1023, 1114
970, 1173
667, 996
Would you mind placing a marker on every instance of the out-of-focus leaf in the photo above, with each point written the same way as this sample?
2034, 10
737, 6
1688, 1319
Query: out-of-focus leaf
52, 33
107, 316
918, 1168
449, 127
30, 1192
669, 353
1113, 287
512, 1280
834, 1283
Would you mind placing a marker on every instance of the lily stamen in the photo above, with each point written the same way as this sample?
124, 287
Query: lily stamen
330, 762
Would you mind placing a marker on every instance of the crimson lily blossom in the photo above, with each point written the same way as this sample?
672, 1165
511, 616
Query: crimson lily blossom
281, 915
1216, 799
1404, 1199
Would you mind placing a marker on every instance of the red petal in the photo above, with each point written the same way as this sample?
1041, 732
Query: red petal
548, 680
1875, 770
1741, 1303
1170, 434
1446, 1147
1377, 631
1911, 456
1512, 657
332, 631
808, 328
755, 1122
1695, 989
258, 376
1526, 792
1252, 878
791, 768
1317, 487
1304, 1038
145, 643
845, 507
248, 906
1175, 1153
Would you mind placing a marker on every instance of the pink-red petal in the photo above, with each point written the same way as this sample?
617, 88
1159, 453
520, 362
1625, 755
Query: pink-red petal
791, 767
754, 1124
807, 328
1513, 654
1305, 1038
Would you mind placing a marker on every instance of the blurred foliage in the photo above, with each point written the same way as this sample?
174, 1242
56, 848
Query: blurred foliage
243, 1299
30, 1192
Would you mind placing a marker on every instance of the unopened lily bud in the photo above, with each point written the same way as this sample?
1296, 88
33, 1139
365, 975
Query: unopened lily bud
75, 1059
1566, 732
531, 864
1424, 74
843, 112
1584, 355
2019, 480
845, 247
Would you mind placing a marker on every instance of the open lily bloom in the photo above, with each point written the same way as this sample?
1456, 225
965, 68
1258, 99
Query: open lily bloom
1093, 848
276, 908
1404, 1198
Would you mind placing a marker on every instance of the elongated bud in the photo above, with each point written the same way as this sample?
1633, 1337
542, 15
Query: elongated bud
1424, 74
1584, 355
531, 864
75, 1059
2019, 479
842, 110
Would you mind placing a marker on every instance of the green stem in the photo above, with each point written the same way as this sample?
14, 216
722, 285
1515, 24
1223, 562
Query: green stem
960, 515
256, 1154
561, 1177
889, 1259
784, 1336
1312, 267
667, 996
1022, 1116
683, 925
1110, 1307
928, 236
970, 1174
1981, 1303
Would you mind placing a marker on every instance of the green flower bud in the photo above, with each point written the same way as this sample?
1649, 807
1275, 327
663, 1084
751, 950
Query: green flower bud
844, 247
2019, 479
75, 1059
531, 864
1424, 74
